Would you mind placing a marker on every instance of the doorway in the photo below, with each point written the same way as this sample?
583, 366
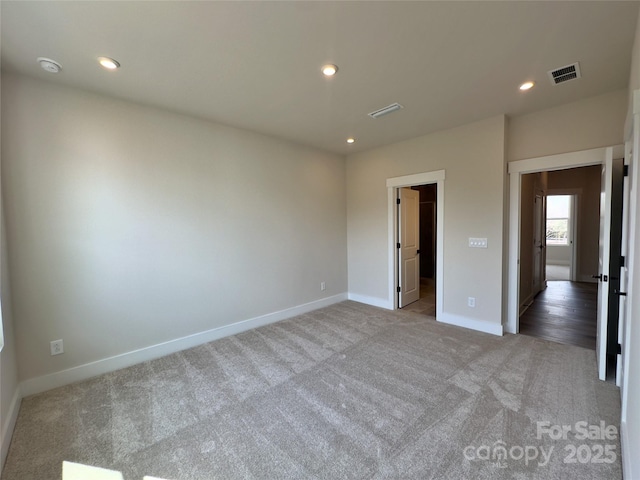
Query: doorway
560, 237
436, 178
425, 304
559, 308
517, 170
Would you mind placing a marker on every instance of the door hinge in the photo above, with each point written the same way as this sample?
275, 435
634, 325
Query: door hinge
625, 170
398, 245
398, 289
398, 201
622, 260
418, 252
619, 349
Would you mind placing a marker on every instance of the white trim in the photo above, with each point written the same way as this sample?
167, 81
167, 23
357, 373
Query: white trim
603, 266
471, 323
636, 106
628, 457
526, 304
392, 194
437, 177
416, 179
89, 370
632, 158
440, 248
513, 307
516, 169
564, 161
586, 279
575, 237
373, 301
9, 425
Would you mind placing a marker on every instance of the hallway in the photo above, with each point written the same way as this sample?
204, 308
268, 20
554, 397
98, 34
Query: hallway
565, 312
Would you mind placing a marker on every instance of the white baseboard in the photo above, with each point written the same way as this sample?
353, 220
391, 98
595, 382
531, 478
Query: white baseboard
587, 279
89, 370
473, 324
373, 301
479, 325
526, 303
9, 425
629, 472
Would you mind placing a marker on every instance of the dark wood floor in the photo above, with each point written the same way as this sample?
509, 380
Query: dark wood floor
565, 312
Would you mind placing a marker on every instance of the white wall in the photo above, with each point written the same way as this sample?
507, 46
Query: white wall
591, 123
558, 254
473, 159
130, 226
9, 391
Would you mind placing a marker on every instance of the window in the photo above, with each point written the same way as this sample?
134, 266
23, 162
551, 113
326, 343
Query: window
558, 216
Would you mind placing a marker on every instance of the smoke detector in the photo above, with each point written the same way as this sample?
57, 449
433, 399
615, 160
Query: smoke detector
564, 74
49, 65
385, 110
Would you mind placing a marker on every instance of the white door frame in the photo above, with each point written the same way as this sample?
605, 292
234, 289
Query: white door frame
574, 237
516, 170
393, 184
604, 253
631, 262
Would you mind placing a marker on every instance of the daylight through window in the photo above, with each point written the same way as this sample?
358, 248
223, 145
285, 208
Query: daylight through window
558, 215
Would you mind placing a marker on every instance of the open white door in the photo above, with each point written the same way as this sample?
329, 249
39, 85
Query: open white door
628, 366
409, 246
603, 264
573, 238
539, 244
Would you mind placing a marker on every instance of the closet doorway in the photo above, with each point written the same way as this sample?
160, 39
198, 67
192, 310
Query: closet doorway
427, 228
394, 187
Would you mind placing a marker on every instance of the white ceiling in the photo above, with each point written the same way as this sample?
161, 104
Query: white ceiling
256, 65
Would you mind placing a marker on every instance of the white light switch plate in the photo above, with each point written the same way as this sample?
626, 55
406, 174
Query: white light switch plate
477, 242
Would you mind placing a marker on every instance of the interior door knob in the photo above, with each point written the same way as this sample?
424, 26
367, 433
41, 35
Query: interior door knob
599, 277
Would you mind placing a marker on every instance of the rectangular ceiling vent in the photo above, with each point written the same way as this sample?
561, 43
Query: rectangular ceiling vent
386, 110
564, 74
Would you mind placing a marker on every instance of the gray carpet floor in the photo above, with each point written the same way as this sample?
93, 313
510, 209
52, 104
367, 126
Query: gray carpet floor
345, 392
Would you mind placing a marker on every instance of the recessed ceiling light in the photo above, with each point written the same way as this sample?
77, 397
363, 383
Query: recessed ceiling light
351, 140
49, 65
108, 63
329, 70
527, 86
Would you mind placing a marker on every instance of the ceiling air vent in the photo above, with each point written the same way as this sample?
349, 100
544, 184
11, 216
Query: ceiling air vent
564, 74
386, 110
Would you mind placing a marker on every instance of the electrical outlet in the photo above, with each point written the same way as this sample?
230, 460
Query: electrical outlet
57, 347
471, 301
323, 286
